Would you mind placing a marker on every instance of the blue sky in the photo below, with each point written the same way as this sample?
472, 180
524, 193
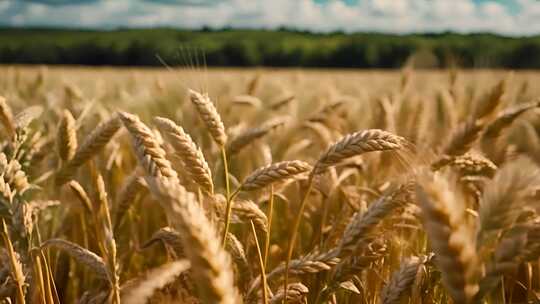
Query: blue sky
509, 17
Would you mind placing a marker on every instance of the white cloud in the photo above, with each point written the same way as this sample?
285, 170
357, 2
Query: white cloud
521, 17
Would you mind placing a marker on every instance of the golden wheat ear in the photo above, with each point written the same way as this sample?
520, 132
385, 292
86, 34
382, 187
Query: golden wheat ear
295, 294
450, 238
244, 139
91, 146
401, 280
6, 118
149, 152
276, 172
141, 291
186, 149
210, 116
356, 144
211, 264
362, 226
504, 198
26, 116
169, 237
81, 255
67, 136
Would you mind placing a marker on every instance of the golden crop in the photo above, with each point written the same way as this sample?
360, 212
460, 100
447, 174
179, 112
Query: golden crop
269, 186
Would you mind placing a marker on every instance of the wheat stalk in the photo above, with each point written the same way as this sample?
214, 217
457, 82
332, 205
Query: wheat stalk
16, 267
349, 146
211, 264
211, 118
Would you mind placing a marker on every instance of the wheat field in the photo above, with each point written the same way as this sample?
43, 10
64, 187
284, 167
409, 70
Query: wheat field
269, 186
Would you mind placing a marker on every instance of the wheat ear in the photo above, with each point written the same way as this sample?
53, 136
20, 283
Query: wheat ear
6, 117
507, 256
461, 141
67, 136
351, 145
242, 140
356, 144
491, 101
26, 116
211, 264
150, 154
133, 185
210, 116
169, 237
247, 100
276, 172
505, 119
474, 164
362, 225
15, 265
504, 198
81, 255
401, 281
92, 144
311, 263
295, 293
142, 290
449, 239
186, 149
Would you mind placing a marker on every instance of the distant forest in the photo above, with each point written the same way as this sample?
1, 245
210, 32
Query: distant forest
279, 48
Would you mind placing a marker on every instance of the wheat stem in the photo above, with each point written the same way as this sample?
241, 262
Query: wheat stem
261, 264
294, 234
269, 216
228, 195
16, 267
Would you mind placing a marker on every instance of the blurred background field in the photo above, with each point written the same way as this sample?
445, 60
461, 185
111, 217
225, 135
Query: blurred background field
91, 80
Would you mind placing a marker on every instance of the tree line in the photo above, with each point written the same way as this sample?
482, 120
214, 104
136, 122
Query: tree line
280, 48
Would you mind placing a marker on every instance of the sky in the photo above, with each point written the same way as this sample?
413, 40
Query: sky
507, 17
